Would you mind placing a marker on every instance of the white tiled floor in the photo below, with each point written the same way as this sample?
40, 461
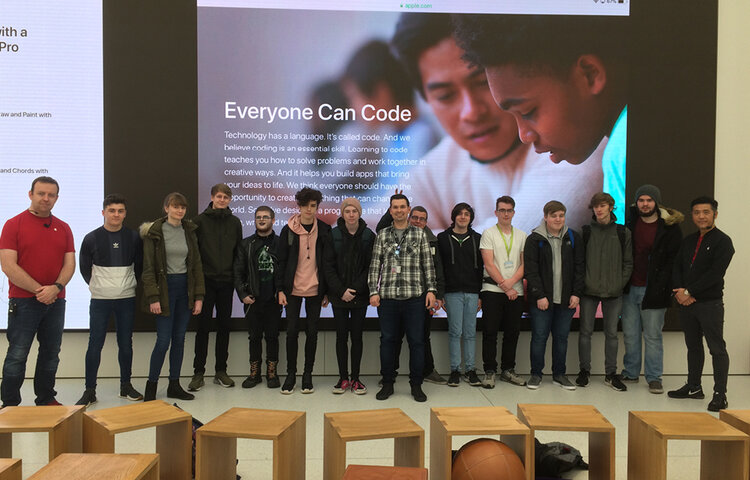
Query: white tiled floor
254, 456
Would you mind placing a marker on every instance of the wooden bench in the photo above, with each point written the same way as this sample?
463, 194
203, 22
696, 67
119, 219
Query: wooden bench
85, 466
216, 442
174, 433
575, 418
485, 421
10, 469
342, 427
63, 424
724, 449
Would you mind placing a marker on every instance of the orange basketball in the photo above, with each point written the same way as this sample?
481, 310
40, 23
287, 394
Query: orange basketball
487, 459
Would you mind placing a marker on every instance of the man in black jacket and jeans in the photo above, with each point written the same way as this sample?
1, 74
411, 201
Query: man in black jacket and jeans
698, 278
302, 244
254, 268
219, 232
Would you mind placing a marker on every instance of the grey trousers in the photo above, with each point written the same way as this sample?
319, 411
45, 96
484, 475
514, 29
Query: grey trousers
611, 310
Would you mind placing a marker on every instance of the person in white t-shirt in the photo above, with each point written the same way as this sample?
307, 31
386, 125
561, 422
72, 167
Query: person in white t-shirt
502, 293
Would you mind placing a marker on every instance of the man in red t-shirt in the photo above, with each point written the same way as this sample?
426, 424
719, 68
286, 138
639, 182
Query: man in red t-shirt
38, 257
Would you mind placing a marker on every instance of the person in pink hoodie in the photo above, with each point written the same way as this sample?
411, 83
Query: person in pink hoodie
300, 277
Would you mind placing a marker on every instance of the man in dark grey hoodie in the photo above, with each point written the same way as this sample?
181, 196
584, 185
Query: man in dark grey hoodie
609, 263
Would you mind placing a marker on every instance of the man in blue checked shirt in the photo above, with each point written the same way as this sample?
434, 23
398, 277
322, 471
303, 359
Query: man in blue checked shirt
400, 273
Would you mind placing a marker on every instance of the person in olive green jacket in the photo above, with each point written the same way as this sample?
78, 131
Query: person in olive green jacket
172, 289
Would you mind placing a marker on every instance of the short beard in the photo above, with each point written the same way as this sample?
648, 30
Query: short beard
646, 214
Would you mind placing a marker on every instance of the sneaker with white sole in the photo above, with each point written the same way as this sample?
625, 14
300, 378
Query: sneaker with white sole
196, 383
454, 379
563, 382
342, 386
534, 382
222, 379
614, 381
510, 376
489, 379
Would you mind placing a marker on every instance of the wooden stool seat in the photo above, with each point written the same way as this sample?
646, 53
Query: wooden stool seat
380, 472
85, 466
342, 427
62, 422
486, 421
174, 432
10, 469
576, 418
216, 442
724, 449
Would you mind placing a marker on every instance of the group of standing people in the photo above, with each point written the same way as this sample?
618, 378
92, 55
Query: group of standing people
189, 268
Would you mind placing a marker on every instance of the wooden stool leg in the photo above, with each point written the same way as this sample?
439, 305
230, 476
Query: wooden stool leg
523, 445
6, 445
174, 445
602, 455
289, 452
67, 437
153, 473
96, 438
409, 451
216, 457
334, 452
647, 454
440, 450
723, 460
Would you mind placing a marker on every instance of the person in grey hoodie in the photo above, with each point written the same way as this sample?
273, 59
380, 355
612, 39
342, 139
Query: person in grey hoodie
609, 263
553, 260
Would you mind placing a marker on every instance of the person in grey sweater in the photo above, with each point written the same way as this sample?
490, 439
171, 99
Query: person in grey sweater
609, 263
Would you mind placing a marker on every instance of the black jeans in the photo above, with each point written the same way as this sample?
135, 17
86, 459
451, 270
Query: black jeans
312, 315
397, 317
349, 322
498, 311
263, 318
429, 360
705, 319
218, 294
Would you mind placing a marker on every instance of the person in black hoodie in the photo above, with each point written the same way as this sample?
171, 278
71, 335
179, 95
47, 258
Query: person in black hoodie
346, 267
462, 268
698, 278
254, 268
302, 244
553, 260
219, 232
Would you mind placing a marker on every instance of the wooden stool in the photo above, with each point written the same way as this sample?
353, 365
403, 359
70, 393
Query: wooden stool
63, 424
450, 421
10, 469
216, 450
110, 466
575, 418
174, 433
342, 427
379, 472
739, 419
724, 449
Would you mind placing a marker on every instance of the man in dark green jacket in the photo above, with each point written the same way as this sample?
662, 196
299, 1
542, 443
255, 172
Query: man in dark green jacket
219, 232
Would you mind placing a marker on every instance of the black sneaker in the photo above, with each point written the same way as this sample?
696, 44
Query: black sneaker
307, 385
687, 391
454, 378
385, 392
418, 394
88, 397
719, 402
582, 380
289, 383
127, 391
472, 378
614, 381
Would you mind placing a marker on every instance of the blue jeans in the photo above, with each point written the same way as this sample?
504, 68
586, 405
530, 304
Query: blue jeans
171, 329
555, 319
28, 318
462, 321
651, 321
99, 313
397, 316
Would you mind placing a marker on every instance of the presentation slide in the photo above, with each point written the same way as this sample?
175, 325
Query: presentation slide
51, 120
295, 94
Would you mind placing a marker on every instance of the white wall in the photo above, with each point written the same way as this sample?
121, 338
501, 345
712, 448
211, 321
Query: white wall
732, 178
